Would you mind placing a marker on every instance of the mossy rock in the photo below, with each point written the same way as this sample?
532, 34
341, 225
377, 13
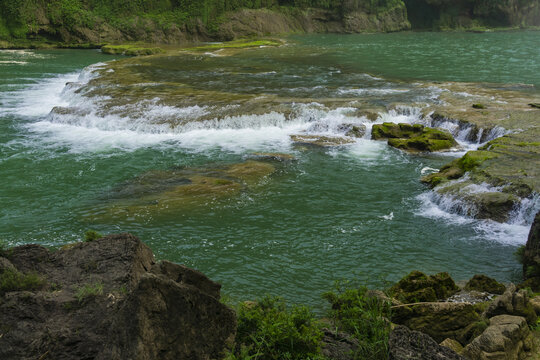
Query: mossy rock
389, 130
440, 320
419, 287
413, 137
169, 193
320, 141
130, 50
486, 284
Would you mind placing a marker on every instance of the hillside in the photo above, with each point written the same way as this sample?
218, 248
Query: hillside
26, 23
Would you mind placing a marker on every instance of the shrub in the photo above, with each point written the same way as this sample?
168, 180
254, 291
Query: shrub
365, 317
89, 290
267, 329
12, 280
91, 235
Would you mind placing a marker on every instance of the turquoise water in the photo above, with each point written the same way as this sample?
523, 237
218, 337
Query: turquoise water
353, 211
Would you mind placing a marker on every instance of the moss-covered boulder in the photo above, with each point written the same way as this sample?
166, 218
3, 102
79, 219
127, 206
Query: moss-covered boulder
486, 284
440, 320
131, 50
413, 137
419, 287
320, 141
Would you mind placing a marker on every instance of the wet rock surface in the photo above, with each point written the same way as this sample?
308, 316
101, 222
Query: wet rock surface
108, 299
413, 137
405, 344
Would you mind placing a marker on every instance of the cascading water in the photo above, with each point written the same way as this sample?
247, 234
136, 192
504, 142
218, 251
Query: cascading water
76, 152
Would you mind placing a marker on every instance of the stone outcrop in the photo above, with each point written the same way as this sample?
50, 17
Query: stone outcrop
419, 287
531, 256
484, 283
513, 302
506, 338
413, 137
441, 320
108, 299
405, 344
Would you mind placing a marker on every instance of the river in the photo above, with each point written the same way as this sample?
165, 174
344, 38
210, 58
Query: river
70, 153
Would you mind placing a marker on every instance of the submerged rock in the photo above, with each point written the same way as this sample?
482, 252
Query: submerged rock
108, 299
413, 137
172, 192
271, 157
321, 141
405, 344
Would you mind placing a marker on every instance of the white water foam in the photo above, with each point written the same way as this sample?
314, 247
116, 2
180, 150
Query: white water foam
455, 210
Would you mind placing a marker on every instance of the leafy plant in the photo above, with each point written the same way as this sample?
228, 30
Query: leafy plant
91, 235
267, 329
365, 317
89, 290
13, 280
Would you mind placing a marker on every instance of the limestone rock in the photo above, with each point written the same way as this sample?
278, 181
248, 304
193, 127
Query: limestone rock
531, 254
503, 339
338, 345
107, 299
418, 286
535, 303
484, 283
513, 302
320, 141
413, 137
452, 344
440, 320
405, 344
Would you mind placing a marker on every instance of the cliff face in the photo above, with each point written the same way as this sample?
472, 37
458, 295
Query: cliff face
108, 299
93, 21
456, 14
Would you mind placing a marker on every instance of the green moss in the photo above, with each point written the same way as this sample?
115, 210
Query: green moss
419, 287
130, 50
473, 159
12, 280
479, 106
91, 235
237, 44
486, 284
413, 137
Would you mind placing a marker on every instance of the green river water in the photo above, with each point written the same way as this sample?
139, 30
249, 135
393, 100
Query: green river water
356, 211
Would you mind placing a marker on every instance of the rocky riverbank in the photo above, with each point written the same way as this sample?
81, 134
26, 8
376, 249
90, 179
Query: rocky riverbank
108, 298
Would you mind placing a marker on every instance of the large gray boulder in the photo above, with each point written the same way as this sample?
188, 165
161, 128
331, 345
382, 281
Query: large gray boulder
108, 299
506, 338
405, 344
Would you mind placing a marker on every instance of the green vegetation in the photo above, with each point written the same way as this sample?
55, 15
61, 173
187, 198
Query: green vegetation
89, 290
267, 329
130, 50
238, 44
91, 235
365, 317
20, 19
13, 280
